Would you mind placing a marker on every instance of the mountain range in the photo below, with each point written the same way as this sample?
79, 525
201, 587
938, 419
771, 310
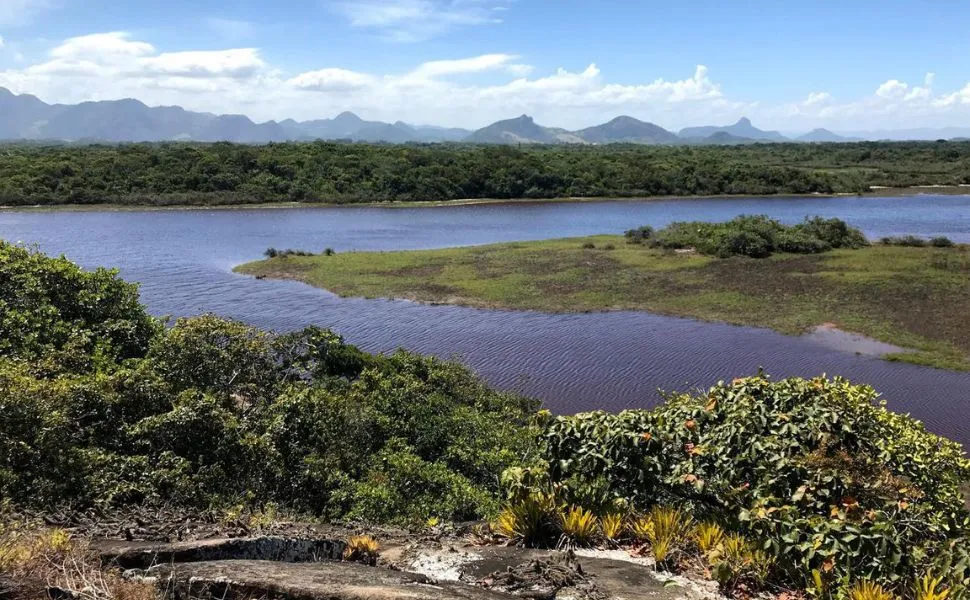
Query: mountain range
26, 117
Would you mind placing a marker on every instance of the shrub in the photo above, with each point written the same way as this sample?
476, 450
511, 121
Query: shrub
639, 235
329, 252
907, 240
743, 243
836, 233
758, 237
103, 406
589, 246
274, 253
941, 242
798, 242
37, 563
609, 247
818, 471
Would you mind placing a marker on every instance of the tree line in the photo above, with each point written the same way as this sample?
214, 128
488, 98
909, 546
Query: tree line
223, 173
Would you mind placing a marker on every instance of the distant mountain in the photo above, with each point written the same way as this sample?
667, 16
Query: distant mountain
921, 133
26, 117
723, 138
521, 130
627, 129
824, 135
742, 129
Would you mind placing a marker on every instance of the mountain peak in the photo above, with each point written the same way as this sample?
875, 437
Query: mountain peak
744, 121
348, 117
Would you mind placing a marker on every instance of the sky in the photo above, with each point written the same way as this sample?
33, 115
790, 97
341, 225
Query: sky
847, 65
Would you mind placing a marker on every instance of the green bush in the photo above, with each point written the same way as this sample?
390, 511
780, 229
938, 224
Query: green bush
906, 240
757, 237
834, 232
799, 242
60, 318
213, 412
639, 235
819, 471
941, 242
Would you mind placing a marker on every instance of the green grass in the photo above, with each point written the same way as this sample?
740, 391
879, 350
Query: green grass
916, 298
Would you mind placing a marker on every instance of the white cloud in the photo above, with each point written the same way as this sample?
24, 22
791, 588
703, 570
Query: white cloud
235, 63
892, 89
477, 64
417, 20
816, 98
467, 92
332, 80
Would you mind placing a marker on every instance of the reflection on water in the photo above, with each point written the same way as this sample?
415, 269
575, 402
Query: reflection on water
573, 362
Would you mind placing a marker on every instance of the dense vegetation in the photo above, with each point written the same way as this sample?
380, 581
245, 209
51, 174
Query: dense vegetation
168, 174
752, 236
800, 482
102, 405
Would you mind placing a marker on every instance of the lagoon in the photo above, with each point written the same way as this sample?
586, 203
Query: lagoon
184, 260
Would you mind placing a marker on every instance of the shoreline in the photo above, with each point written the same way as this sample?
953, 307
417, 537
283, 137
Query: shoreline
874, 192
790, 294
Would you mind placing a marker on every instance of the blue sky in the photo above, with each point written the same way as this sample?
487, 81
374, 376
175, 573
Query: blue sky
856, 64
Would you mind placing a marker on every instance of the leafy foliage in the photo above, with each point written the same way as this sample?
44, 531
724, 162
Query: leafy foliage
102, 405
752, 236
817, 470
181, 173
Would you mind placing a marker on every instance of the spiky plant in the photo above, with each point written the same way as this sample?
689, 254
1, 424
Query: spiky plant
531, 521
708, 537
362, 548
668, 533
929, 588
579, 527
613, 526
868, 590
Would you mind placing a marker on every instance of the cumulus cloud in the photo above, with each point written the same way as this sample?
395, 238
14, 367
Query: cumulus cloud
332, 80
468, 92
816, 98
417, 20
892, 89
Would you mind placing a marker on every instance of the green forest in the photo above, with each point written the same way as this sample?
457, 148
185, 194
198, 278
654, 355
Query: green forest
225, 174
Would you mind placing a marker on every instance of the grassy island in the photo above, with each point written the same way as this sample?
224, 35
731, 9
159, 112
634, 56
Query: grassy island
914, 297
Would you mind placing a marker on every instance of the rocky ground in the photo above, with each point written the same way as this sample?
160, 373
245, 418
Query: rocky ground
200, 558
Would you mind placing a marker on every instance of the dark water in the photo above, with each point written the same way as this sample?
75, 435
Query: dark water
183, 260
